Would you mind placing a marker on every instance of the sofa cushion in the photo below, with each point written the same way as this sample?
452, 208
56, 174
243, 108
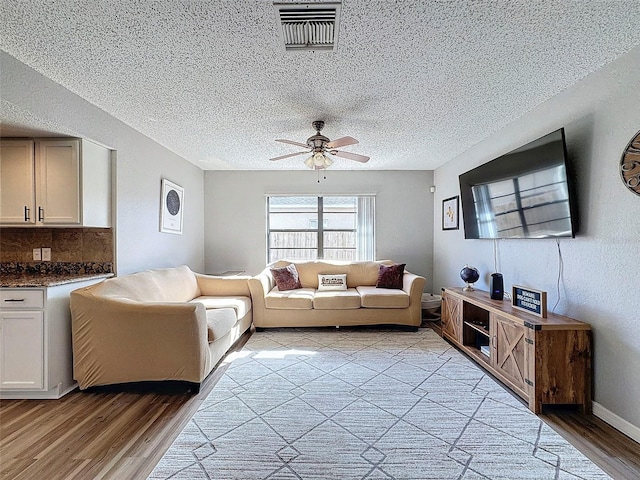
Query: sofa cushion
332, 282
177, 284
241, 305
390, 276
374, 297
336, 300
364, 273
286, 278
358, 273
299, 299
161, 285
219, 322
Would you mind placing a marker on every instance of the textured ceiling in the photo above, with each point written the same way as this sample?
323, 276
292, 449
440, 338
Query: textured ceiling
417, 82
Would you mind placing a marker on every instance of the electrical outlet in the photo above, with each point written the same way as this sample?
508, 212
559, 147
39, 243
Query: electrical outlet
46, 254
37, 254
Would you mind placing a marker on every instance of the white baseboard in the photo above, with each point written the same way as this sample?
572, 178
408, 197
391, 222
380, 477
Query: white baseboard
51, 394
616, 422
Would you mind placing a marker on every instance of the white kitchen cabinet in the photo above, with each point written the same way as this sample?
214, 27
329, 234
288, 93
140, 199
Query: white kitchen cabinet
22, 347
55, 182
57, 186
17, 182
36, 358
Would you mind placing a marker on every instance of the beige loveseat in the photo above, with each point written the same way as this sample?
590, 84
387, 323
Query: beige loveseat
164, 324
361, 304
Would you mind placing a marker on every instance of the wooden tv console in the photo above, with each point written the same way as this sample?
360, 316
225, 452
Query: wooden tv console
546, 361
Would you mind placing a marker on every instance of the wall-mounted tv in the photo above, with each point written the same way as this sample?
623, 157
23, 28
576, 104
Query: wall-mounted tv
525, 193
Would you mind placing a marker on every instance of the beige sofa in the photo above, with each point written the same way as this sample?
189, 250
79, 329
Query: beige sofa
361, 304
157, 325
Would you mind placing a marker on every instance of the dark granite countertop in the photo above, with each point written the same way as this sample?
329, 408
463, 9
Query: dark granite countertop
26, 280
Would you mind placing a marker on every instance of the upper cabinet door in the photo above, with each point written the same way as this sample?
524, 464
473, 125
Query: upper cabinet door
17, 182
58, 182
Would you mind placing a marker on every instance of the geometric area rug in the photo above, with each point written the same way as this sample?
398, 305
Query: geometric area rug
318, 403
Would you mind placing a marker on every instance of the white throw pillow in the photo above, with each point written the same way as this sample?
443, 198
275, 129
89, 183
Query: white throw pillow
332, 282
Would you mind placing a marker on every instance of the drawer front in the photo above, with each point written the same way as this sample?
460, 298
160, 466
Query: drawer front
21, 298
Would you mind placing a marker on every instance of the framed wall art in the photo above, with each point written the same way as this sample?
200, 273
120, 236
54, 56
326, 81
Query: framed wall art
450, 213
171, 207
630, 165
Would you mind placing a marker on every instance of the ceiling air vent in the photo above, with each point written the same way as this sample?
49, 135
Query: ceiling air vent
308, 26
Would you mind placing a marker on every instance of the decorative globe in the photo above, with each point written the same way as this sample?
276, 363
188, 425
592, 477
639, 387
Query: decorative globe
469, 275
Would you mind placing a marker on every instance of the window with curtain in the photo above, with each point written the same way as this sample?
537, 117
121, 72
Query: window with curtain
326, 227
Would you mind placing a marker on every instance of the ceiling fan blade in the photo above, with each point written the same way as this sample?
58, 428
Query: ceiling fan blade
350, 156
342, 142
287, 156
291, 142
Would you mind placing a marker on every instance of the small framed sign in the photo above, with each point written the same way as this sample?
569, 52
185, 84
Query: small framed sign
529, 300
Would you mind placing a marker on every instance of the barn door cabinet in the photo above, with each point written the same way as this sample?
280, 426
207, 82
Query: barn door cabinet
55, 182
545, 361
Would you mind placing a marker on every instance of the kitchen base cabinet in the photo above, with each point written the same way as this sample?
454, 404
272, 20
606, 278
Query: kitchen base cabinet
22, 347
545, 361
35, 341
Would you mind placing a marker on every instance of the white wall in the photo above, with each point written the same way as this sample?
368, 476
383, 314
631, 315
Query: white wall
235, 214
31, 99
600, 283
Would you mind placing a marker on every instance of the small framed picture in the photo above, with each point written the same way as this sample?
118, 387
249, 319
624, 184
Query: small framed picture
450, 213
171, 207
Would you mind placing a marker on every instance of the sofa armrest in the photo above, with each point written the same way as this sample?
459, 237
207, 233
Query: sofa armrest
211, 285
414, 285
117, 340
260, 286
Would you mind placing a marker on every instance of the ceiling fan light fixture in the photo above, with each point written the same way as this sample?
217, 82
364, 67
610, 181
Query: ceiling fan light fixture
319, 159
309, 162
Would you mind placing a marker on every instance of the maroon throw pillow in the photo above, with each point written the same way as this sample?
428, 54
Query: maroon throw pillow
286, 277
390, 276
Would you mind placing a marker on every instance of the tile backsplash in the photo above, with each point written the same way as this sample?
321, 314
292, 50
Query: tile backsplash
67, 244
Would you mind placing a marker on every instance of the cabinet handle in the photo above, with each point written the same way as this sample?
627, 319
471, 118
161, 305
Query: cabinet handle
40, 214
14, 299
26, 213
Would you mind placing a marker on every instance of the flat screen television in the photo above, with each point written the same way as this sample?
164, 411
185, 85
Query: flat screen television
525, 193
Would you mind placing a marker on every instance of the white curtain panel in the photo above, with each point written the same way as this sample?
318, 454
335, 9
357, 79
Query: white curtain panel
366, 228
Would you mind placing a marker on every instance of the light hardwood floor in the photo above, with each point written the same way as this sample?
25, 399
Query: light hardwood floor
123, 435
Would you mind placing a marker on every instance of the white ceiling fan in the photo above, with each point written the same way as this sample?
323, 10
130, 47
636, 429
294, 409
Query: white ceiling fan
319, 146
